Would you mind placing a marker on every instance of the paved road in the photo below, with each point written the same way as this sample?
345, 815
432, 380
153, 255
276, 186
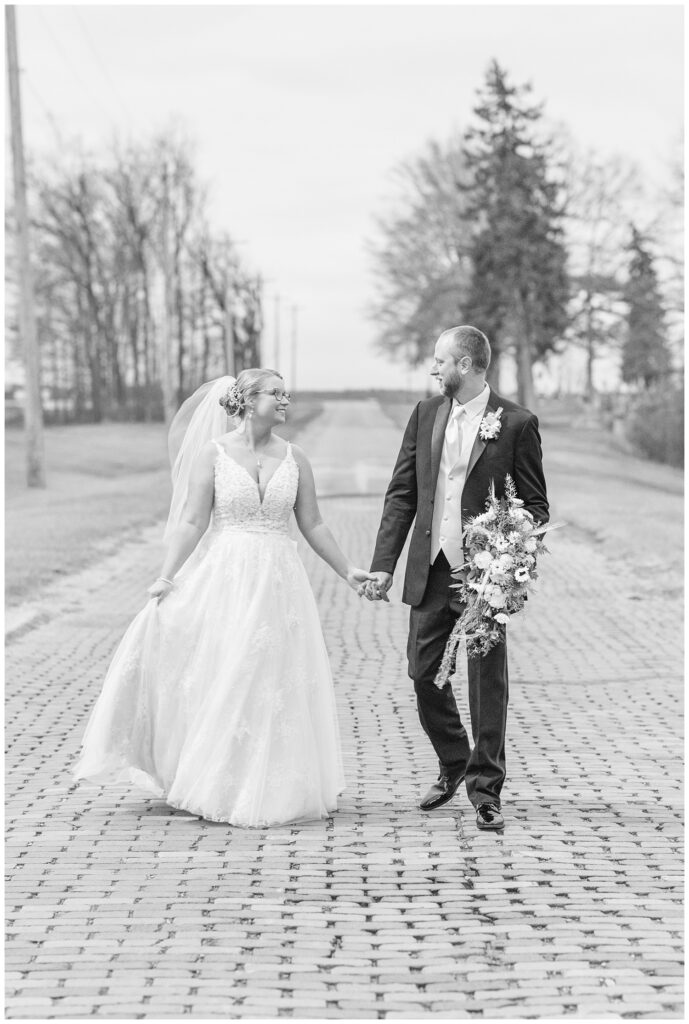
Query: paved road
120, 907
352, 449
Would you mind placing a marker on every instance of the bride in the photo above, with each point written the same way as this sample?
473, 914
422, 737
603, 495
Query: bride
219, 698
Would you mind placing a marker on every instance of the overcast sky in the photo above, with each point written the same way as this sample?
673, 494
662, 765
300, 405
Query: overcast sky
300, 113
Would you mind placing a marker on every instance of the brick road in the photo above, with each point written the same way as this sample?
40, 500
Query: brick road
119, 906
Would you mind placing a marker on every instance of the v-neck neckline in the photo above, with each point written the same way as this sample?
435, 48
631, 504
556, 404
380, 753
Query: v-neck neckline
256, 484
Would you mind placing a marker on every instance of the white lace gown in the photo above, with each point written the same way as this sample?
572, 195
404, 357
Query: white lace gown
220, 698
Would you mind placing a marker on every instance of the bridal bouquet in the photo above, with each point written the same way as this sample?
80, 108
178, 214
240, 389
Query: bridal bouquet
503, 545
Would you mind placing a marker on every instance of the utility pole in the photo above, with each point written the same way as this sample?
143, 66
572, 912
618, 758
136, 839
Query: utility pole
276, 348
293, 362
33, 412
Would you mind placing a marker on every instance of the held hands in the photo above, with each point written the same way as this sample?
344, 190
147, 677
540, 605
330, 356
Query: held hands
358, 578
376, 589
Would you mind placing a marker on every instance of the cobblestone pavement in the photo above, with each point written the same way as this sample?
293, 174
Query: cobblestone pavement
120, 907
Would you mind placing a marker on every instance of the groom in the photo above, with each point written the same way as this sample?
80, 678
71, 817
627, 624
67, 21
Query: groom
442, 477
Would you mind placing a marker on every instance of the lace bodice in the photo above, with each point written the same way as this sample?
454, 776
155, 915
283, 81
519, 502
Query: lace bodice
237, 505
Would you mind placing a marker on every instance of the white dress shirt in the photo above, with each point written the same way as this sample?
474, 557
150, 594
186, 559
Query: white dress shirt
460, 434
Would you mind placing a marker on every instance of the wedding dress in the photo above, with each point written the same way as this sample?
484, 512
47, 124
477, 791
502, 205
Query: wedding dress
219, 698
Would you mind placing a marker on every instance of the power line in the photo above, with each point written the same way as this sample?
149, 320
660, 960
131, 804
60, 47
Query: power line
52, 120
58, 46
100, 63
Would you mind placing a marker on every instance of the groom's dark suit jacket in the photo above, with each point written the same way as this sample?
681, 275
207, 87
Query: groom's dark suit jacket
410, 495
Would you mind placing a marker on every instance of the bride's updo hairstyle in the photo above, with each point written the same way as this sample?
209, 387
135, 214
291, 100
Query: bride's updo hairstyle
248, 383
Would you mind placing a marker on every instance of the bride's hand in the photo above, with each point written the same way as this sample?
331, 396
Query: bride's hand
159, 589
377, 590
357, 577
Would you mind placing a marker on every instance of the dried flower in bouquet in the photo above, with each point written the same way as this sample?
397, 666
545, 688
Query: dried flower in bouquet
502, 545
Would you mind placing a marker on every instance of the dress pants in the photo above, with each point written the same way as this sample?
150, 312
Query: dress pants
430, 624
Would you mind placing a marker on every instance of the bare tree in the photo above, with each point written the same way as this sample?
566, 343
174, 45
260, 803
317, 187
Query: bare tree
138, 298
234, 300
421, 267
70, 233
600, 195
135, 216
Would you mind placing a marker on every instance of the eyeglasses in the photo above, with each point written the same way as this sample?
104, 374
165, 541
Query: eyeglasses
280, 396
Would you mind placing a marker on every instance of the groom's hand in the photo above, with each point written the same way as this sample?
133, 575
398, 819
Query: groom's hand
359, 578
377, 589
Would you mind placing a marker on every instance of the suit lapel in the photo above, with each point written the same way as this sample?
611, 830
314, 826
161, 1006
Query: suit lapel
442, 415
479, 444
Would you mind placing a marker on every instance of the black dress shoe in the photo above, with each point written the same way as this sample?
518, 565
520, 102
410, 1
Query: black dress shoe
488, 816
443, 790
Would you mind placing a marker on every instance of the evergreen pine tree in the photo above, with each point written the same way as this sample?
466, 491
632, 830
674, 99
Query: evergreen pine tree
520, 287
645, 354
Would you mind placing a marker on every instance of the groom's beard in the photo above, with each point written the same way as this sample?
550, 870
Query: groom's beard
451, 386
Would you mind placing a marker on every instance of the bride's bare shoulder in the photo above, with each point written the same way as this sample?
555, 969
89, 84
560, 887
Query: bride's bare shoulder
202, 468
302, 459
208, 452
283, 446
299, 453
228, 442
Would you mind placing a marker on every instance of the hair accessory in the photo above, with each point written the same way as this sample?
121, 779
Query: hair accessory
233, 402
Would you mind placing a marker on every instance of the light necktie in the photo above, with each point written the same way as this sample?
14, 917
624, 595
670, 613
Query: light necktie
455, 433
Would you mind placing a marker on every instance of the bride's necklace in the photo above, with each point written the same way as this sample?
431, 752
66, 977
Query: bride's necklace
259, 458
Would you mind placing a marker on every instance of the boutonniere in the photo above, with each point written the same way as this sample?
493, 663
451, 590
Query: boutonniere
490, 425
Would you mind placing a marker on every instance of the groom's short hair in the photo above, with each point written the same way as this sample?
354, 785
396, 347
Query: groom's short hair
469, 341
